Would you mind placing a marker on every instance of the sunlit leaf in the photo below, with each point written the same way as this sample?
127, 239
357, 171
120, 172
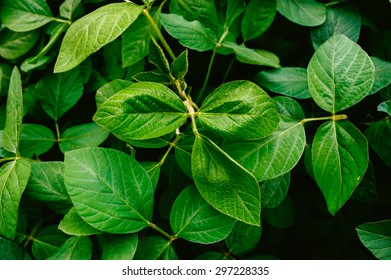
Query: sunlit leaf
303, 12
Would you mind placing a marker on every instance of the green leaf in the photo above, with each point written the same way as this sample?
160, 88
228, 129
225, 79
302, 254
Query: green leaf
385, 107
35, 140
153, 171
68, 7
117, 247
283, 216
239, 110
60, 92
289, 81
15, 44
5, 76
234, 9
155, 76
75, 248
340, 74
379, 135
14, 114
377, 238
289, 107
109, 89
155, 248
47, 241
91, 32
225, 184
195, 220
25, 15
340, 159
13, 180
366, 191
180, 65
303, 12
382, 74
142, 111
275, 190
81, 136
73, 224
243, 238
191, 34
10, 250
159, 142
343, 19
257, 18
122, 190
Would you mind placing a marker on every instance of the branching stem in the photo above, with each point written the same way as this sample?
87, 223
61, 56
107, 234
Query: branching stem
331, 118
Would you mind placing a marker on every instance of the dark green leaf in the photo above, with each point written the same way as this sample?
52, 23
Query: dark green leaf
303, 12
377, 238
10, 250
15, 44
109, 89
283, 216
159, 142
366, 191
75, 248
234, 9
73, 224
47, 241
275, 190
379, 138
35, 140
180, 65
243, 238
5, 76
155, 248
382, 74
117, 247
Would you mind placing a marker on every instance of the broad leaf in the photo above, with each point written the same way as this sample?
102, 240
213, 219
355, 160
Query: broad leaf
47, 241
379, 138
13, 180
191, 34
25, 15
11, 250
142, 111
382, 74
73, 224
109, 89
234, 9
290, 81
193, 219
377, 238
155, 248
239, 110
15, 44
91, 32
243, 238
303, 12
117, 247
340, 74
75, 248
122, 190
275, 190
225, 184
289, 107
340, 159
35, 140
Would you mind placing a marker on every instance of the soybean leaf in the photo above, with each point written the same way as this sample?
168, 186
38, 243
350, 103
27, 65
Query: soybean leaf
340, 74
243, 238
303, 12
385, 107
47, 241
257, 18
155, 76
14, 114
5, 76
379, 135
275, 190
290, 81
68, 8
289, 107
180, 65
13, 180
340, 159
234, 9
153, 171
35, 140
117, 247
84, 135
382, 74
122, 190
109, 89
340, 19
157, 57
11, 250
155, 248
282, 216
225, 184
142, 111
25, 15
191, 34
366, 190
73, 224
377, 238
59, 92
239, 110
193, 219
158, 142
75, 248
15, 44
94, 30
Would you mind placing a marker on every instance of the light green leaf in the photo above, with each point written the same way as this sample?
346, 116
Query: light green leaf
14, 114
25, 15
289, 107
180, 65
155, 76
142, 111
122, 190
155, 248
59, 92
225, 184
73, 224
13, 180
382, 74
275, 190
193, 219
15, 44
340, 19
243, 238
109, 89
376, 237
283, 216
303, 12
379, 138
234, 9
257, 18
385, 107
84, 135
35, 140
239, 110
75, 248
290, 81
117, 247
91, 32
340, 74
191, 34
47, 241
340, 159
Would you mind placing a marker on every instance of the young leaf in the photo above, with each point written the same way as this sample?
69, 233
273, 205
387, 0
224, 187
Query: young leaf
225, 184
195, 220
239, 110
24, 15
257, 18
289, 81
382, 74
35, 140
117, 247
243, 238
47, 241
155, 248
109, 89
73, 224
191, 34
157, 57
13, 180
75, 248
379, 135
15, 44
60, 92
180, 65
340, 74
142, 111
340, 159
303, 12
377, 238
275, 190
91, 32
122, 190
234, 9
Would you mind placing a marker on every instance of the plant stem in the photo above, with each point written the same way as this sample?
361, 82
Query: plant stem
172, 145
332, 118
58, 135
155, 227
